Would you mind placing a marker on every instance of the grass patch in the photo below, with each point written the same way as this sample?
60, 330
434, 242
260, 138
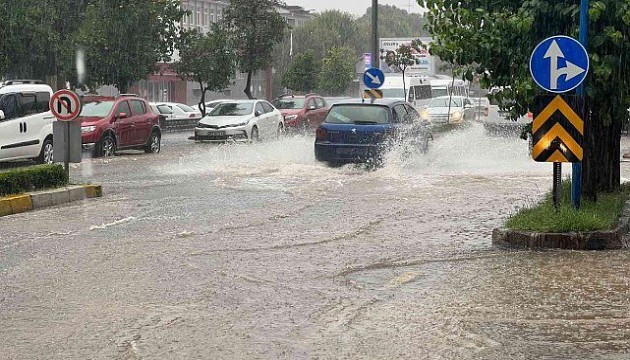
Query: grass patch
31, 178
601, 215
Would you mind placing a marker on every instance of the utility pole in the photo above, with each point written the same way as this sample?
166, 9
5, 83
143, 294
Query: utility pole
376, 54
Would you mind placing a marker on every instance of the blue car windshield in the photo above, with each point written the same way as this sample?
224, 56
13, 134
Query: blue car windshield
358, 114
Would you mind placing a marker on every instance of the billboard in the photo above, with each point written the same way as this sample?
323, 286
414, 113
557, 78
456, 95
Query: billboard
424, 64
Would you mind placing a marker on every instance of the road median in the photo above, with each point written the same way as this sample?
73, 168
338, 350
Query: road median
601, 225
16, 204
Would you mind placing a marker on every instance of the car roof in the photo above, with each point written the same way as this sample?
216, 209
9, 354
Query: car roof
449, 97
247, 101
379, 102
20, 87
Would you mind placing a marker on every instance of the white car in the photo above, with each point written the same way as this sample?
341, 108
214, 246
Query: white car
26, 123
175, 111
210, 105
439, 111
240, 120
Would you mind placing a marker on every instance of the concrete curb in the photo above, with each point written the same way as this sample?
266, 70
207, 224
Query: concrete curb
592, 240
41, 199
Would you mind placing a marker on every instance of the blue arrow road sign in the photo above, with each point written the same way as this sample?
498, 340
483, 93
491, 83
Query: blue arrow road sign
373, 78
559, 64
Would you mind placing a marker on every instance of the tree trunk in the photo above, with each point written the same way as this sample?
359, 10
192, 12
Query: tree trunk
601, 165
404, 84
202, 104
248, 87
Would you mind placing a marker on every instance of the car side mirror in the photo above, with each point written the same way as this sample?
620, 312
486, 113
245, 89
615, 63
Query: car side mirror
2, 117
257, 113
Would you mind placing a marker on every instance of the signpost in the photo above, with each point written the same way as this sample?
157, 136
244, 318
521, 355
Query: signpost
373, 78
65, 105
559, 64
576, 179
372, 94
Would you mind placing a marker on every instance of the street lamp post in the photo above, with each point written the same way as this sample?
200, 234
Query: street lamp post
375, 51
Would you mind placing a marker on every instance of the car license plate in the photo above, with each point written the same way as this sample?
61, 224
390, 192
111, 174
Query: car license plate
352, 151
217, 133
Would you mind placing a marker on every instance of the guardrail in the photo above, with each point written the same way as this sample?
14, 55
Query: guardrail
178, 125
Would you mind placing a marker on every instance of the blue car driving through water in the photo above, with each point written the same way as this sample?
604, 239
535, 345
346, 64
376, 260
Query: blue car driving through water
356, 131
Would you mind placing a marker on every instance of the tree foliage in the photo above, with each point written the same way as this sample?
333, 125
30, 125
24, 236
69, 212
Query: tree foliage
495, 39
392, 22
207, 59
34, 37
303, 74
124, 40
338, 29
256, 27
400, 59
338, 70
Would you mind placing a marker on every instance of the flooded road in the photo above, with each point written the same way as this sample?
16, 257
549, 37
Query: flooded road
259, 252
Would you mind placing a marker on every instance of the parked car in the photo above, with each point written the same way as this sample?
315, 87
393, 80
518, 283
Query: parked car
125, 122
175, 111
26, 130
440, 112
243, 120
162, 118
482, 108
358, 131
302, 112
499, 122
210, 105
503, 126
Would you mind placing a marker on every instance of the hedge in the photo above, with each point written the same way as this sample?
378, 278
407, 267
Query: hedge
32, 178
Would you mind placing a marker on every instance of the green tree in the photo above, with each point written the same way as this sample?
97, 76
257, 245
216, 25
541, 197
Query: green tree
34, 37
496, 38
392, 22
338, 70
256, 27
124, 40
401, 59
326, 30
207, 59
303, 74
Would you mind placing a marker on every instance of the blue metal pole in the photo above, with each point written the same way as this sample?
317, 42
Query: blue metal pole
576, 179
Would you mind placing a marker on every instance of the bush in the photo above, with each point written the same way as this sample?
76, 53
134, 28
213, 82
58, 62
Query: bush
32, 178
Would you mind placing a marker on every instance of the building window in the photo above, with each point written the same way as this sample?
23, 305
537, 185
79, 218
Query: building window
185, 19
198, 15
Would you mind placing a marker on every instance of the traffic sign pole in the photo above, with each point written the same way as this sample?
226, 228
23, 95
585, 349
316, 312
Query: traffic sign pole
66, 158
576, 178
65, 105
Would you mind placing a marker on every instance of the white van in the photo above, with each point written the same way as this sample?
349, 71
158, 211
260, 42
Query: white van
26, 130
418, 90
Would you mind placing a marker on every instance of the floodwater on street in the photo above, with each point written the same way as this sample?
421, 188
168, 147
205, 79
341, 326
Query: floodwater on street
257, 251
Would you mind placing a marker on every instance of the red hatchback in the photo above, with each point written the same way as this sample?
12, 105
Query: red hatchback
111, 124
302, 112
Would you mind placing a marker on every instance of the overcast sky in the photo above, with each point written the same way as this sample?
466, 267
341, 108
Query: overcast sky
356, 7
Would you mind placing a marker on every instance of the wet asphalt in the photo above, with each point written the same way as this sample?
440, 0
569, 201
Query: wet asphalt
259, 252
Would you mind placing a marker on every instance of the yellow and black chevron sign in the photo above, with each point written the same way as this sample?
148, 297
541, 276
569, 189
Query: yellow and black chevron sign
558, 129
372, 94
